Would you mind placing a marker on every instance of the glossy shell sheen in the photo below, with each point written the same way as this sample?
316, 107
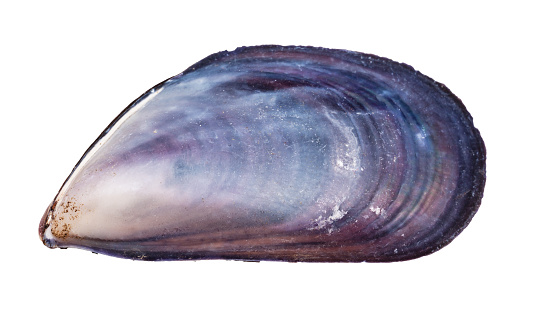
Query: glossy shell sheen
278, 153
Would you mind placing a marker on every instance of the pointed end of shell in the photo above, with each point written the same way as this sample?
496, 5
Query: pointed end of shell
45, 233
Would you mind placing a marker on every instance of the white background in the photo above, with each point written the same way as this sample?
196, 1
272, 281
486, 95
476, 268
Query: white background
67, 69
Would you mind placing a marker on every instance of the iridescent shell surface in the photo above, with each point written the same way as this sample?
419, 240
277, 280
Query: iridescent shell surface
278, 153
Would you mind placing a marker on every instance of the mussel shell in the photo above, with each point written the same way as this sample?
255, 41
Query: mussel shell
278, 153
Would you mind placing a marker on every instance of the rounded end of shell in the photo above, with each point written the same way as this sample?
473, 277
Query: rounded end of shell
45, 233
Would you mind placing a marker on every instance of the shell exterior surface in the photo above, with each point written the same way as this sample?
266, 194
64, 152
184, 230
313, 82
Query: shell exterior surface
278, 153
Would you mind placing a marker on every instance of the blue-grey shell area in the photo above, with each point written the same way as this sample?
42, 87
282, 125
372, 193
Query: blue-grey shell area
279, 153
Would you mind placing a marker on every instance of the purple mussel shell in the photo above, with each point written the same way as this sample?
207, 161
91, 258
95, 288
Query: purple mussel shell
277, 153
